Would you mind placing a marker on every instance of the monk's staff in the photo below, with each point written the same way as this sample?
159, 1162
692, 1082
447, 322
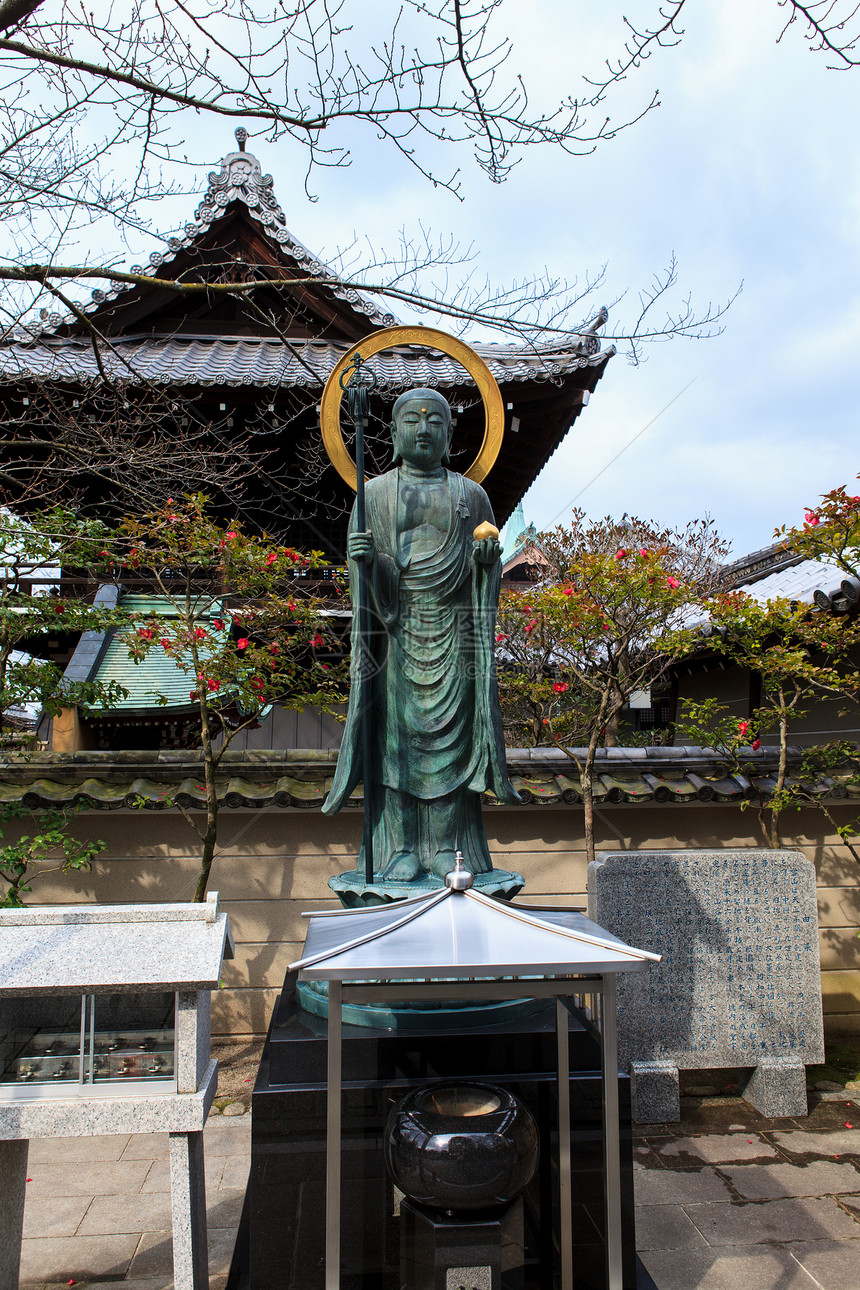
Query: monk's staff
358, 380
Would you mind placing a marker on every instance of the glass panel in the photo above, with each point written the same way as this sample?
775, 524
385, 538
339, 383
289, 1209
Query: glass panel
133, 1037
40, 1040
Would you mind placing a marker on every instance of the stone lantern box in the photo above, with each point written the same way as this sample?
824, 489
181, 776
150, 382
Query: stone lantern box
105, 1028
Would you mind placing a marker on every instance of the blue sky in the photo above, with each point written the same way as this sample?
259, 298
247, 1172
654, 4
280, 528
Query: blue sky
748, 172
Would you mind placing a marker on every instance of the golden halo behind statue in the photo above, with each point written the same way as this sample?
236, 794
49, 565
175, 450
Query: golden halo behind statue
387, 338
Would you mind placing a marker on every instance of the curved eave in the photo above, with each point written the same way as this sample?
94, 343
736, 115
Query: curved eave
214, 362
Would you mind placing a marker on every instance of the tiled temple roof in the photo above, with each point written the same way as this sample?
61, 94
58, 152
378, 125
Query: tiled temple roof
242, 361
300, 778
240, 179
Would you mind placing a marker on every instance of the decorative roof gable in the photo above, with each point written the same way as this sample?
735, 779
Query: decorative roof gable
240, 182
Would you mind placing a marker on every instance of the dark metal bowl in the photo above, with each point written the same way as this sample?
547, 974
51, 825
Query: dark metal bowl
461, 1146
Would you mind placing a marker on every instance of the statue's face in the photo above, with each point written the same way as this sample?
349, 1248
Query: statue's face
422, 431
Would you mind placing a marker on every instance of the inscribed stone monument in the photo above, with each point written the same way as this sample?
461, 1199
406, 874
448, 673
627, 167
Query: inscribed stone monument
739, 984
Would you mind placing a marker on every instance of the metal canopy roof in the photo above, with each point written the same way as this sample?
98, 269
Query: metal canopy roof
452, 933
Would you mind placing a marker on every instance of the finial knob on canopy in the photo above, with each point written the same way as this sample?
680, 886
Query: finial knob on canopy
460, 878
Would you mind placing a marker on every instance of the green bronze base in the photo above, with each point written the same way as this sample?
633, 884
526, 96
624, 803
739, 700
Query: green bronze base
353, 890
312, 996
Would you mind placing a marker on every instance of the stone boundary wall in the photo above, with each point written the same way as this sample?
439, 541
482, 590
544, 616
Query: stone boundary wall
274, 863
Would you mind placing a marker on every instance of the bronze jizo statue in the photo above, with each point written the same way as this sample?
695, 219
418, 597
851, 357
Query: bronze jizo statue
431, 695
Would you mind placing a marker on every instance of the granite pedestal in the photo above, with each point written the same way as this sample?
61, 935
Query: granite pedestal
283, 1239
127, 959
739, 985
440, 1251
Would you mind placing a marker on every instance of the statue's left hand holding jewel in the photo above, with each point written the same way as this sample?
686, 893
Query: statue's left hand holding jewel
486, 551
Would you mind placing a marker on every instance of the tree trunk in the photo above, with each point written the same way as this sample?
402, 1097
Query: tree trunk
588, 813
210, 767
774, 835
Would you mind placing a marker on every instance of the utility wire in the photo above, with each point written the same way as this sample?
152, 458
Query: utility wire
620, 451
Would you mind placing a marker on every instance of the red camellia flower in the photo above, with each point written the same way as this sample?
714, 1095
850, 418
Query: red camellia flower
755, 745
500, 636
145, 633
743, 728
165, 643
620, 553
812, 518
242, 642
230, 536
274, 649
673, 583
316, 641
199, 633
532, 625
59, 609
212, 683
568, 591
193, 694
643, 551
257, 682
271, 557
559, 687
218, 624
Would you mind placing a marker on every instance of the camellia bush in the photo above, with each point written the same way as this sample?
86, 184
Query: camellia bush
830, 531
32, 553
802, 655
609, 618
242, 626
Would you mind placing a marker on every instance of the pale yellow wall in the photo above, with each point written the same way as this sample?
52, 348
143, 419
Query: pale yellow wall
273, 864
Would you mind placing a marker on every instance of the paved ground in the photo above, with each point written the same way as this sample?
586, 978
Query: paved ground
726, 1201
98, 1209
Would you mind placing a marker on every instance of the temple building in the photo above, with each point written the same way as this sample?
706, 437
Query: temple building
250, 366
249, 369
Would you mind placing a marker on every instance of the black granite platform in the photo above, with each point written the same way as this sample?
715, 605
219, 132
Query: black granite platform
281, 1241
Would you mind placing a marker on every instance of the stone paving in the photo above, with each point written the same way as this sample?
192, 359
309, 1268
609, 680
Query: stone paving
726, 1200
98, 1209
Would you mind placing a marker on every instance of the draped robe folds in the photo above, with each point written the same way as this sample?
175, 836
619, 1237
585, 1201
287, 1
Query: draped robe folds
431, 694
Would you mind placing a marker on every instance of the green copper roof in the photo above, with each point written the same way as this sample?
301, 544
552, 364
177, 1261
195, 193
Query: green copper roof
158, 674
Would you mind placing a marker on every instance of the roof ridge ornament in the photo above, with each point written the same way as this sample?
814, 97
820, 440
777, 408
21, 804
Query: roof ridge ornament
460, 878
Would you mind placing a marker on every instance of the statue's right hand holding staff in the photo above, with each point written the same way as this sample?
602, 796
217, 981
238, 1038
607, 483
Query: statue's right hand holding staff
360, 546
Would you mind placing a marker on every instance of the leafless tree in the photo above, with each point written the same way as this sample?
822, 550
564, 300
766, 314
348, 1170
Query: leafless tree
831, 27
95, 102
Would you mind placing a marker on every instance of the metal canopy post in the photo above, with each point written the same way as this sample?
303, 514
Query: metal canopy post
565, 1198
550, 953
334, 1073
611, 1135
